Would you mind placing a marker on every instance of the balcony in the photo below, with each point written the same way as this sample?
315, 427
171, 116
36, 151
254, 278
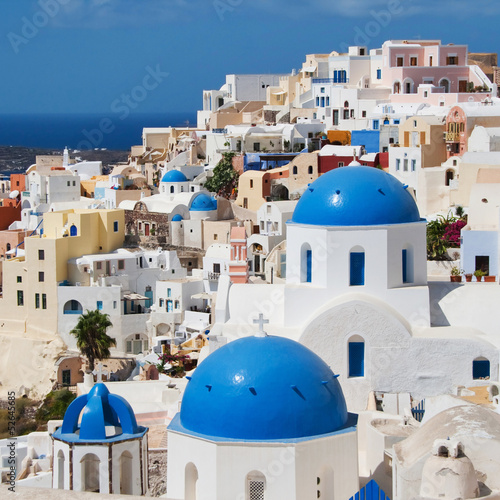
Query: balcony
330, 81
452, 137
219, 131
213, 276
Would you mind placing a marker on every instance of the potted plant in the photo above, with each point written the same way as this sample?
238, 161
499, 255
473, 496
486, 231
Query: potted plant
490, 279
468, 277
479, 274
456, 275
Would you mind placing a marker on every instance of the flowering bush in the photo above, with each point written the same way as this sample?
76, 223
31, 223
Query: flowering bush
452, 233
175, 360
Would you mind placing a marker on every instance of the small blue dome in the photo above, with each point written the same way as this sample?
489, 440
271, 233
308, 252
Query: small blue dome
261, 388
177, 218
356, 196
203, 203
174, 176
100, 412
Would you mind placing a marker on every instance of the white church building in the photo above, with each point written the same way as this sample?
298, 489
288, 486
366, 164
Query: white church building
356, 293
262, 417
100, 447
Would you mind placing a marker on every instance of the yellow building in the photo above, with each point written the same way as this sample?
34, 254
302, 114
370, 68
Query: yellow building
29, 302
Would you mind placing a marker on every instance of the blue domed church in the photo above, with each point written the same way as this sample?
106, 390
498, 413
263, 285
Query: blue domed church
262, 417
356, 293
100, 447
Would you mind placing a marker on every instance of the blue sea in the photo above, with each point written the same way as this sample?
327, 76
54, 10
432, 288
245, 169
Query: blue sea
84, 131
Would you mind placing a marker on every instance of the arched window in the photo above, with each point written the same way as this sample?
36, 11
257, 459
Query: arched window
450, 175
126, 473
357, 267
171, 189
73, 231
90, 472
480, 368
294, 170
407, 264
356, 356
8, 247
310, 170
445, 83
396, 88
255, 486
73, 307
190, 481
60, 470
306, 264
346, 104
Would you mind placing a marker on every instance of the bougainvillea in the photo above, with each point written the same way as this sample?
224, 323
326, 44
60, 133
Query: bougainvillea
452, 233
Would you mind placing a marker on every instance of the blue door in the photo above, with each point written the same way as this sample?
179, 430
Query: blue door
356, 359
357, 269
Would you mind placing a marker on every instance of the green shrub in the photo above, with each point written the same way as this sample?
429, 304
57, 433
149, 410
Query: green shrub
54, 406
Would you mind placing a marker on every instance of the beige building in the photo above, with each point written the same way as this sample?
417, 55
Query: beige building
29, 301
302, 171
253, 188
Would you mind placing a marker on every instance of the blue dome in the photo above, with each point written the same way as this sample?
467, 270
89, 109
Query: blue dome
102, 411
356, 196
174, 176
263, 388
177, 218
203, 203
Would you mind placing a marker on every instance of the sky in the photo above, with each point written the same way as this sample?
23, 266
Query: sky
157, 56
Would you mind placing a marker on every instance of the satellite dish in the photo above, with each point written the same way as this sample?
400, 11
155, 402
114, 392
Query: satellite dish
14, 194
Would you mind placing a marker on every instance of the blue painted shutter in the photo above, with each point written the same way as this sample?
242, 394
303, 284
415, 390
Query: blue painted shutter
405, 275
309, 266
480, 369
356, 359
357, 269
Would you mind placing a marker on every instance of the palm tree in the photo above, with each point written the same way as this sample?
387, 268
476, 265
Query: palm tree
91, 337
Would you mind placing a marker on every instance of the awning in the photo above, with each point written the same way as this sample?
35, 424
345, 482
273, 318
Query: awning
281, 92
135, 296
309, 69
203, 295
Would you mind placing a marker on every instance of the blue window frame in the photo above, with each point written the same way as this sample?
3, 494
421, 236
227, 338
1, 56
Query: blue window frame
317, 101
376, 124
328, 100
379, 74
99, 305
356, 359
396, 121
170, 306
357, 269
73, 230
115, 226
335, 76
322, 102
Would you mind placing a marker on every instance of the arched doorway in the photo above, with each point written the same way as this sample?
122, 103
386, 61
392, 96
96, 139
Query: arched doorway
90, 476
126, 473
60, 470
190, 482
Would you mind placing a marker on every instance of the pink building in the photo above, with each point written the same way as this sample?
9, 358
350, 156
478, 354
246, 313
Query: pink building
440, 74
462, 119
238, 265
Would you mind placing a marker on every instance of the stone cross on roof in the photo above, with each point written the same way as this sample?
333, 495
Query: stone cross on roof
261, 321
100, 372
